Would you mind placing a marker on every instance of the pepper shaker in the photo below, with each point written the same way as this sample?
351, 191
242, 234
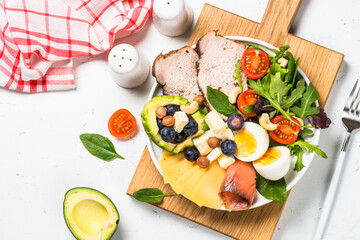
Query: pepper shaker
172, 17
130, 67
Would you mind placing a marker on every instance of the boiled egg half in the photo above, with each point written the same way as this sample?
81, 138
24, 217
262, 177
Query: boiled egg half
252, 142
274, 164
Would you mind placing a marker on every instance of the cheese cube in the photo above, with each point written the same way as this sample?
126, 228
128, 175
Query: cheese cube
215, 153
201, 143
222, 134
283, 62
225, 161
214, 121
181, 119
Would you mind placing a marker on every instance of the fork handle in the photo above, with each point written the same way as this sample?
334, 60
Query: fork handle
329, 200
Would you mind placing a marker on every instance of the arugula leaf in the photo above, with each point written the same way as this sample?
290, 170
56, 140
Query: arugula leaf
249, 108
297, 148
99, 146
237, 73
295, 95
220, 101
279, 53
307, 104
260, 88
278, 89
274, 190
150, 195
257, 47
275, 68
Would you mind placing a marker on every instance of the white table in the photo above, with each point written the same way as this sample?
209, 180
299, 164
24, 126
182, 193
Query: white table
41, 156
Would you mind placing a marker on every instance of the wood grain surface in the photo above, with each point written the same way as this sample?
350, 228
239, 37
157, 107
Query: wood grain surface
319, 64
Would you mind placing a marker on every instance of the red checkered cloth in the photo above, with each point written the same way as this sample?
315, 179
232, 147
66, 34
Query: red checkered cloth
38, 38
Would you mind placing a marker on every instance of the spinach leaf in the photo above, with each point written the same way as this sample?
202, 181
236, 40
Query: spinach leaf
295, 95
99, 146
274, 190
150, 195
279, 53
220, 101
237, 73
307, 103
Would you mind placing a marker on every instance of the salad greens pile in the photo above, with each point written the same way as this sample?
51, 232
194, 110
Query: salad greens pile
283, 91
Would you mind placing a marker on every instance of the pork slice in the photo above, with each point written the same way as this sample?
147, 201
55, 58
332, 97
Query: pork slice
177, 72
218, 56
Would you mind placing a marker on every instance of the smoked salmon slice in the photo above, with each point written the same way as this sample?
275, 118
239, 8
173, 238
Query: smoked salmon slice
238, 187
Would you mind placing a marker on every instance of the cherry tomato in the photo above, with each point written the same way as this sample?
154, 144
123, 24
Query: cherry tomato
286, 132
122, 123
255, 63
249, 97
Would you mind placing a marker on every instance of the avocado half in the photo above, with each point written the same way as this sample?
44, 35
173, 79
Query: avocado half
148, 118
90, 214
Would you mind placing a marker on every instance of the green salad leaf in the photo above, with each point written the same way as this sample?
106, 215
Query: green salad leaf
261, 88
276, 68
307, 105
99, 146
150, 195
273, 190
249, 108
220, 101
292, 67
279, 53
295, 95
297, 148
237, 73
278, 89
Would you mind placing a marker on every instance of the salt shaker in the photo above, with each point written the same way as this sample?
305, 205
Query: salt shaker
172, 17
130, 67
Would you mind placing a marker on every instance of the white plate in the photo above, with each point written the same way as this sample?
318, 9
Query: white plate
291, 178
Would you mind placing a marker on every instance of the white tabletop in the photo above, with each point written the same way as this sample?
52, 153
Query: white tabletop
41, 156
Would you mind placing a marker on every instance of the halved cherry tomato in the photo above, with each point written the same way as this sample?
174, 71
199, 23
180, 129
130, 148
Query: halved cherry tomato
255, 63
122, 123
249, 97
286, 132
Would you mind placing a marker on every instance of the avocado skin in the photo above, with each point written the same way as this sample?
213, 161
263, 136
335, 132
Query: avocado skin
117, 220
148, 118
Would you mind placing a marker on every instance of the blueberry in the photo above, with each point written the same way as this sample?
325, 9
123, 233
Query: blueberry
171, 109
228, 147
235, 121
191, 154
159, 123
191, 128
180, 137
167, 134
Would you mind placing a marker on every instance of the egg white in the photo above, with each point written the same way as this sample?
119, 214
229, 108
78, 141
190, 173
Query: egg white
277, 169
261, 138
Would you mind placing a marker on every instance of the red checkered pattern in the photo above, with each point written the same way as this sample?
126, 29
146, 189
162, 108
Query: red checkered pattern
38, 38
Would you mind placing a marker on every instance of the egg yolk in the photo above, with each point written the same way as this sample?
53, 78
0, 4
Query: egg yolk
246, 143
268, 158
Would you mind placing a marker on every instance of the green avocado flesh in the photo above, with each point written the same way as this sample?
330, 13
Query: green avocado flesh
148, 118
89, 214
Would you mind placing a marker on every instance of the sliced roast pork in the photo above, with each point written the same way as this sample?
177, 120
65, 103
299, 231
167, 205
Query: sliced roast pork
177, 72
218, 56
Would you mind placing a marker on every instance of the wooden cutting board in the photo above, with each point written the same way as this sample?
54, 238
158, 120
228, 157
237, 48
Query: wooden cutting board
320, 65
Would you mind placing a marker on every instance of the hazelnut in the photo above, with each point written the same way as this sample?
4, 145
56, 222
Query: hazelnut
161, 112
214, 142
203, 162
200, 99
168, 121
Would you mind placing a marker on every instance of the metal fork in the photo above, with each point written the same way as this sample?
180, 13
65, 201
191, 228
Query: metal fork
351, 120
